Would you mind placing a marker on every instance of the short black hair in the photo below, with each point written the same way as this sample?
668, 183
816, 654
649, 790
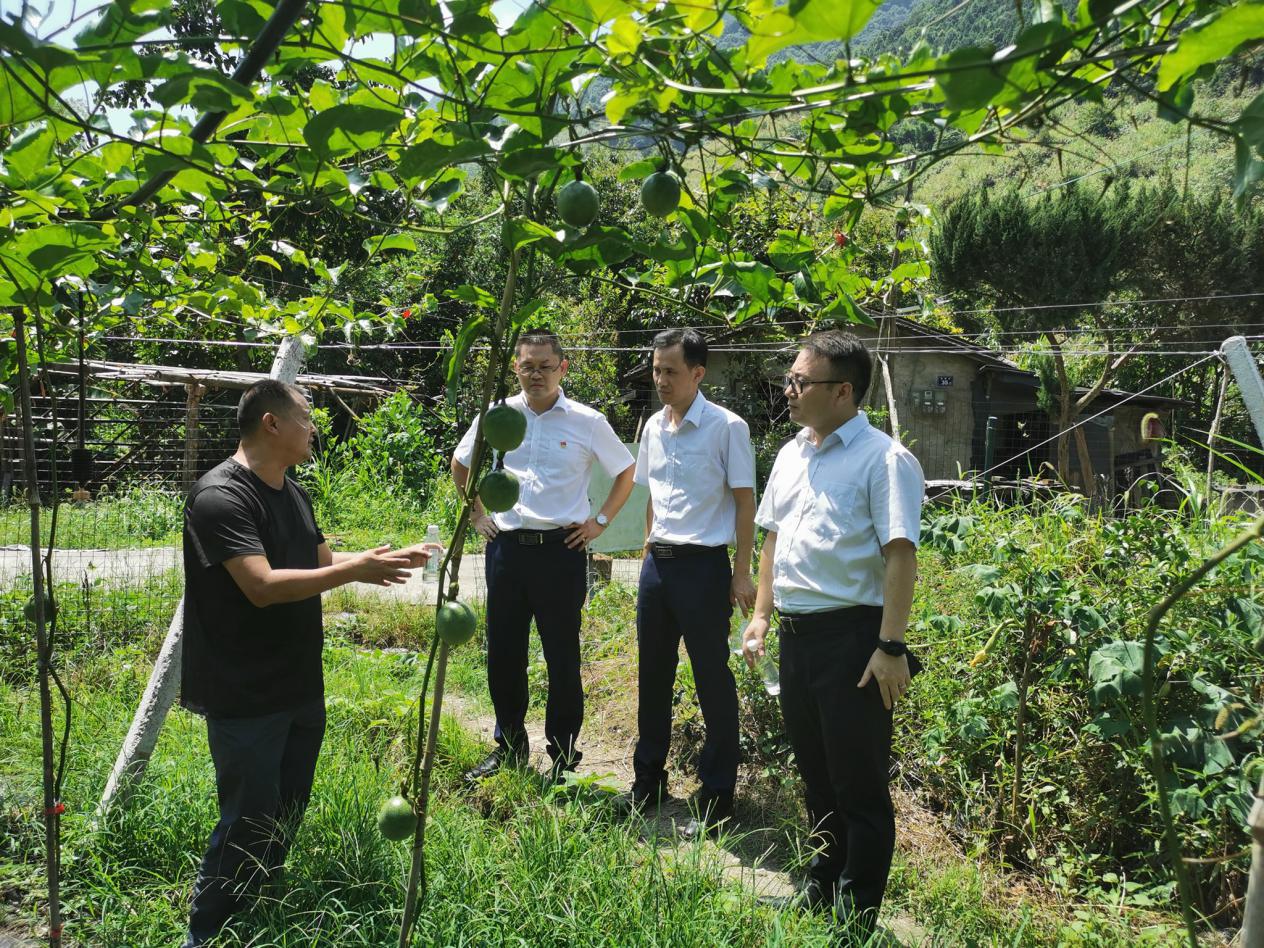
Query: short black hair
541, 336
849, 359
691, 341
265, 396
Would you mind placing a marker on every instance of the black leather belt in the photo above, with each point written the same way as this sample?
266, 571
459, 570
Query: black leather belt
832, 619
535, 537
671, 551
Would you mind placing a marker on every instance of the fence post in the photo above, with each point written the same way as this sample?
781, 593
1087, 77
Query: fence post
191, 413
1246, 373
164, 680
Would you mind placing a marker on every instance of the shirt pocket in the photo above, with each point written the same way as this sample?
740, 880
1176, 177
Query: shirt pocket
561, 459
834, 510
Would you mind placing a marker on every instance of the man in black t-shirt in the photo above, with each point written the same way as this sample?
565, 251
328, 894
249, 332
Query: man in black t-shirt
255, 564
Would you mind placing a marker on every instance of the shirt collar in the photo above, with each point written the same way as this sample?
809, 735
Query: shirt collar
845, 433
562, 404
694, 414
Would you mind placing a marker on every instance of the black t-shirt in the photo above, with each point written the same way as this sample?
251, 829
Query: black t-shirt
240, 660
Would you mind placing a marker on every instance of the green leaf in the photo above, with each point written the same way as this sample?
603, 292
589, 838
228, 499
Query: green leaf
624, 37
422, 160
1247, 169
521, 231
204, 90
1250, 124
1210, 41
474, 295
774, 26
460, 348
27, 161
348, 128
392, 242
973, 80
528, 162
1115, 670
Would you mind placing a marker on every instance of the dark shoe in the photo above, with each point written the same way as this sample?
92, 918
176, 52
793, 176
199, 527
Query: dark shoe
558, 770
712, 813
640, 798
499, 757
816, 896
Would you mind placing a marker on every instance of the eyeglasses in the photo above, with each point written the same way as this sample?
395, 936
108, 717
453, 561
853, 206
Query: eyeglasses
536, 371
797, 384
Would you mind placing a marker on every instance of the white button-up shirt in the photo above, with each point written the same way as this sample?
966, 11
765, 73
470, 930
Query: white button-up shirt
691, 470
833, 508
553, 463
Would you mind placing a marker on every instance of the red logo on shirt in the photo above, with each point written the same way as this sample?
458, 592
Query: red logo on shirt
562, 443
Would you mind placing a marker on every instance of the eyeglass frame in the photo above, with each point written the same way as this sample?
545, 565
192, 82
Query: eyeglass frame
538, 371
797, 385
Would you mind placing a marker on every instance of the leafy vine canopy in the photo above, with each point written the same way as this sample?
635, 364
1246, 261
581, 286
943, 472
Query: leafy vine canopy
391, 113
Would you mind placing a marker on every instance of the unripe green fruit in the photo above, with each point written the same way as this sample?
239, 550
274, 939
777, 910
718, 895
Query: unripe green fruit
504, 427
498, 491
577, 204
455, 622
660, 193
396, 820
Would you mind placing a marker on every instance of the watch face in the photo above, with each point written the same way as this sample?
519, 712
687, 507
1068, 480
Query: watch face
603, 520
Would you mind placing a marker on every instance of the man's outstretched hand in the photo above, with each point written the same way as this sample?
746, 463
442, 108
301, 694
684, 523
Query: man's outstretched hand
382, 567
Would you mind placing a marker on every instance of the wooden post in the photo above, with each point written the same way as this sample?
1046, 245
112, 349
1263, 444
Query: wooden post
191, 412
164, 680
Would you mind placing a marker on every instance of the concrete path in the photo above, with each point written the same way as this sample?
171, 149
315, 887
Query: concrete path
133, 566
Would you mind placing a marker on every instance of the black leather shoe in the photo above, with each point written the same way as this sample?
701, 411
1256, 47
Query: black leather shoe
712, 813
499, 757
816, 896
640, 798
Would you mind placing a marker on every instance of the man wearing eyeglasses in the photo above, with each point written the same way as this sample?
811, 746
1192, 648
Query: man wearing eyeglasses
842, 511
536, 564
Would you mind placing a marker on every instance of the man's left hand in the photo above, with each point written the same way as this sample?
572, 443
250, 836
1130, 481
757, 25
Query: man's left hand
417, 555
584, 533
742, 592
892, 674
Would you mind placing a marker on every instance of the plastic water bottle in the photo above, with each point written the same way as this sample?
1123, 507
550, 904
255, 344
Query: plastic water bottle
767, 668
735, 641
430, 573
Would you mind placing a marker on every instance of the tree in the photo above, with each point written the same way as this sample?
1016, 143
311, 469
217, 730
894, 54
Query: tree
1047, 265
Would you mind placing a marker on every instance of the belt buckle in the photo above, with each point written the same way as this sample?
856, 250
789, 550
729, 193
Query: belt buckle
531, 538
664, 551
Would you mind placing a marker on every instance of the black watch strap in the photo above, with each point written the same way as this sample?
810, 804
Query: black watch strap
893, 648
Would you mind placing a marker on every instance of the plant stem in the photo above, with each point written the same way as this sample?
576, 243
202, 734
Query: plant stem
423, 759
52, 821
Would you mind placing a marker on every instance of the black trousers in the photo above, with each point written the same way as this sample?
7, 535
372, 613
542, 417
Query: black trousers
548, 583
686, 596
263, 779
841, 737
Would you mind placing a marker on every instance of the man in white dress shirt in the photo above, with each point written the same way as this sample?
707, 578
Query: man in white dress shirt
842, 511
697, 460
536, 562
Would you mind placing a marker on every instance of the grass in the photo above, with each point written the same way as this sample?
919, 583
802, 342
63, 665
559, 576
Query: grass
511, 863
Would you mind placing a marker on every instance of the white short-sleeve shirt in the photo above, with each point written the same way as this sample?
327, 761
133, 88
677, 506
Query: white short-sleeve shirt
691, 470
833, 508
553, 463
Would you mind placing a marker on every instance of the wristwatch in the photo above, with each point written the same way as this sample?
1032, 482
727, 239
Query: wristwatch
602, 520
894, 648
